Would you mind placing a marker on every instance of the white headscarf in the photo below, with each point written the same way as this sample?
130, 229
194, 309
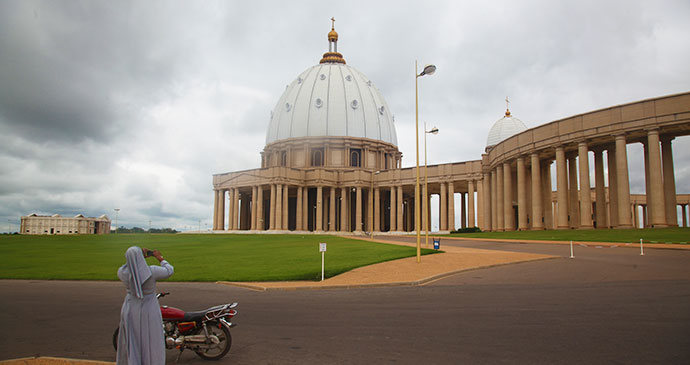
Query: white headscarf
139, 271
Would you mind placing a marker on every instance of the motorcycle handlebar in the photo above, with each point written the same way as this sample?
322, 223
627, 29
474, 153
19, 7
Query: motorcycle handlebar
161, 295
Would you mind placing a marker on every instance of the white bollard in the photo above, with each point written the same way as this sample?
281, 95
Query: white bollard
571, 250
641, 248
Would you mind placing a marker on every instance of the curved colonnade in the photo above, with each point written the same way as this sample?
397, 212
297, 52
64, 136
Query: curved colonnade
517, 171
512, 182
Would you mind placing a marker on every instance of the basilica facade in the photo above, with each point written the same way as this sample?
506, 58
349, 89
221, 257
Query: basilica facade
331, 164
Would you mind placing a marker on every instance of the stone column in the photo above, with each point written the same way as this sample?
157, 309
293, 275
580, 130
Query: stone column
235, 209
298, 210
215, 210
285, 207
451, 206
220, 209
344, 192
331, 210
400, 209
254, 193
500, 202
480, 204
260, 208
370, 211
537, 204
377, 210
585, 191
562, 187
463, 211
657, 203
613, 186
622, 183
494, 201
669, 182
425, 207
394, 208
521, 194
443, 203
470, 203
487, 202
358, 212
508, 216
279, 207
230, 208
319, 208
573, 196
600, 189
645, 216
305, 208
547, 201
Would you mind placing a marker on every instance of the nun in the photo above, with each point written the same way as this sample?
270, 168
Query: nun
141, 340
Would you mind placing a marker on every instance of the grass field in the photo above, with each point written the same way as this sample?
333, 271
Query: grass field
649, 235
195, 257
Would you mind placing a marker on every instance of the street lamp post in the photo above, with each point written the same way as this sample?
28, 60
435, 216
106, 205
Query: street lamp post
117, 211
428, 70
433, 130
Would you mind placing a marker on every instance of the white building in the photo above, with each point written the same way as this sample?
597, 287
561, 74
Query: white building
57, 224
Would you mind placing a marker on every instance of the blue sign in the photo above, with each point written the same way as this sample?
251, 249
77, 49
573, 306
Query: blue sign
437, 243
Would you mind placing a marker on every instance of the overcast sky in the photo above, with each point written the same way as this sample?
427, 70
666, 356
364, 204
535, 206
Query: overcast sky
135, 105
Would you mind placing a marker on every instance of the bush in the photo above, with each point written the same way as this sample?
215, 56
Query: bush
467, 230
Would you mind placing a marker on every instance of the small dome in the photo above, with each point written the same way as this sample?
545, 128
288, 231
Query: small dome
332, 35
504, 128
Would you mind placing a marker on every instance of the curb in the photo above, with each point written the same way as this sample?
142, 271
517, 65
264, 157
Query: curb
47, 360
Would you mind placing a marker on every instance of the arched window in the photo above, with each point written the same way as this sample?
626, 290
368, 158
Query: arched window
355, 157
283, 158
317, 157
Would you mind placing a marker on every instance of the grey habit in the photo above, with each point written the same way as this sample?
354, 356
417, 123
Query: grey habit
141, 340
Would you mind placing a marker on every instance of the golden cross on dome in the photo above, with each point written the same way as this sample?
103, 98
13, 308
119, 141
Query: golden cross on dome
333, 23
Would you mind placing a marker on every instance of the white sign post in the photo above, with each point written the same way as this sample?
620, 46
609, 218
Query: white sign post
322, 249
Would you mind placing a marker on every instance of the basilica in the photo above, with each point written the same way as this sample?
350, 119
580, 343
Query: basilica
331, 164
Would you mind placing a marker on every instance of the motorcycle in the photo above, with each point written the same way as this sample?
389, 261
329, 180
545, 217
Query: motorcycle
206, 332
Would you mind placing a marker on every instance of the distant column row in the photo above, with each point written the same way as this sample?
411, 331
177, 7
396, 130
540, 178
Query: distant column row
518, 193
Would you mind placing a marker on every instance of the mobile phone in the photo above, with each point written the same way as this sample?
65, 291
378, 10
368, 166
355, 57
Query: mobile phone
149, 253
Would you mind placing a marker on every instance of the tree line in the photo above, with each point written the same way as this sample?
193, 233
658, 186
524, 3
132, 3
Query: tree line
123, 229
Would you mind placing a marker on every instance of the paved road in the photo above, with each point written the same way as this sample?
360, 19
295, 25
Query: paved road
608, 305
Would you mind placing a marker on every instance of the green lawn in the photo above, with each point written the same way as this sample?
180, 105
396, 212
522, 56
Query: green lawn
195, 257
650, 235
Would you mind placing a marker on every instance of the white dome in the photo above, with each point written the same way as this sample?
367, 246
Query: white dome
504, 128
334, 100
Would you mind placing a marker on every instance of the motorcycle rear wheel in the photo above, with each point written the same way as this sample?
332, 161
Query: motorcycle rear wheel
117, 332
224, 344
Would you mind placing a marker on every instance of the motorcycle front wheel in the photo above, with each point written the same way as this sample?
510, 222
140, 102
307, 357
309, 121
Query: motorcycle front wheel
224, 341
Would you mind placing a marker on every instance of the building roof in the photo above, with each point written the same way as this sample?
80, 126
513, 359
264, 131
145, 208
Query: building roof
504, 128
332, 99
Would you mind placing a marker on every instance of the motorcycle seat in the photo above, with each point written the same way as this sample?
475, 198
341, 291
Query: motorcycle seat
193, 316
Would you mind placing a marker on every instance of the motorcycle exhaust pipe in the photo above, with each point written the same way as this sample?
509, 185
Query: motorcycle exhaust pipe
191, 339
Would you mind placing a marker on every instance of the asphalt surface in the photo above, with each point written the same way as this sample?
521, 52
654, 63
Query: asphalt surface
607, 305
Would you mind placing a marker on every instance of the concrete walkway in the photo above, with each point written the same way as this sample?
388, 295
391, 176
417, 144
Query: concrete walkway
404, 272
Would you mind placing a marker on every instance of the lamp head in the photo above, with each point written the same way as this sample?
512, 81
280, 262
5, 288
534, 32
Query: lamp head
428, 70
434, 130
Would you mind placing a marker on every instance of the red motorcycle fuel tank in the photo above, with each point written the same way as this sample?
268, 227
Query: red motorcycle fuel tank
171, 313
